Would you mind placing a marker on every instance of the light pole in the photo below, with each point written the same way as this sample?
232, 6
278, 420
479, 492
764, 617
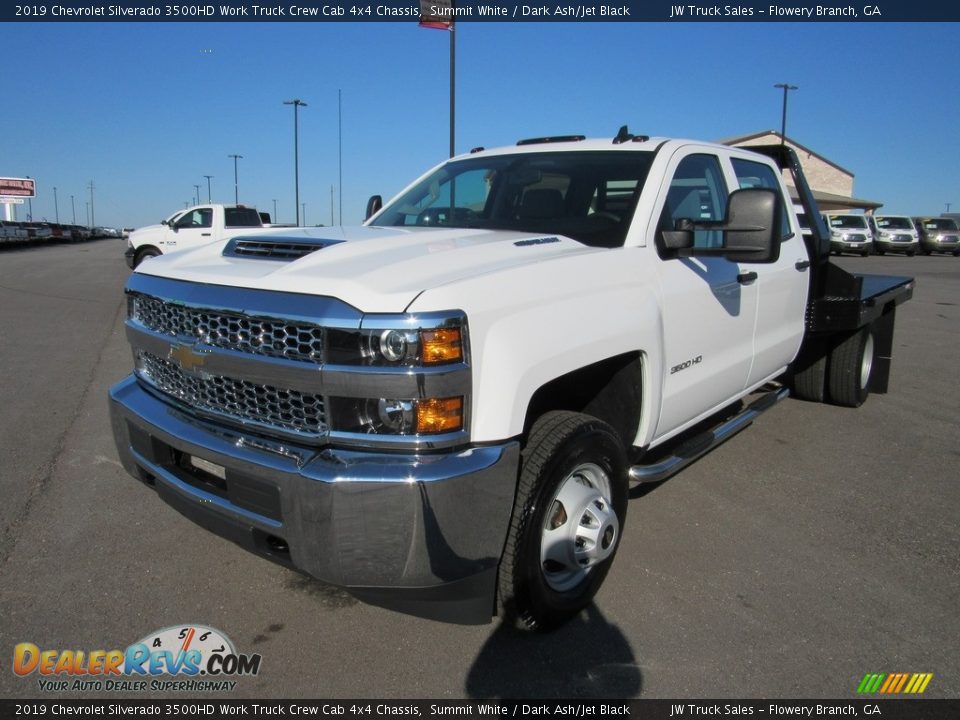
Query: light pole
297, 104
304, 215
340, 157
92, 217
56, 207
236, 192
783, 122
197, 188
208, 187
275, 218
74, 208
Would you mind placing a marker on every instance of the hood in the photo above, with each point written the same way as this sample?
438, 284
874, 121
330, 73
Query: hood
375, 269
147, 229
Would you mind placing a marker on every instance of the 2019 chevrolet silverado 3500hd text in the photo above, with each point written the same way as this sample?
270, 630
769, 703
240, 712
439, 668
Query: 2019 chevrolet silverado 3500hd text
442, 411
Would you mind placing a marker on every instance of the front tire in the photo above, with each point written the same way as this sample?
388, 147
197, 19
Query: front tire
145, 254
567, 520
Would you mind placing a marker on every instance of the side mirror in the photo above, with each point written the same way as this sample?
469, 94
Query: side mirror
749, 231
752, 226
373, 206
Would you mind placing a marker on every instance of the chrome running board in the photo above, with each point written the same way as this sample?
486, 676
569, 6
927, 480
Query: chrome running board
700, 445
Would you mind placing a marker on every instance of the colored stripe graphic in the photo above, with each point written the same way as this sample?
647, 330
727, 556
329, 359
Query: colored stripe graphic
894, 683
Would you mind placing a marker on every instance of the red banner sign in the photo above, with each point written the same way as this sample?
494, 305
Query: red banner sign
18, 187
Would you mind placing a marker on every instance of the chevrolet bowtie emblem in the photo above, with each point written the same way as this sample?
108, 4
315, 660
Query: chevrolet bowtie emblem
186, 357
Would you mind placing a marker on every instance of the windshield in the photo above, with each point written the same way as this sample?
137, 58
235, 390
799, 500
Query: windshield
894, 223
588, 196
939, 224
848, 222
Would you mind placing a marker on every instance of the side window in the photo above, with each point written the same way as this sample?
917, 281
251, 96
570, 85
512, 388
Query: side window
697, 192
752, 174
199, 218
242, 217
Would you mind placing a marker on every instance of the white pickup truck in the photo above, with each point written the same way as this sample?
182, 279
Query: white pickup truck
442, 411
190, 228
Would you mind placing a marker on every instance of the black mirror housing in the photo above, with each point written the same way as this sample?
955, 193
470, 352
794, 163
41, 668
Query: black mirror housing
751, 228
373, 206
749, 233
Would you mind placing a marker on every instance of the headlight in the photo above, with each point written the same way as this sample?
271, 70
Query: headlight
886, 235
421, 365
396, 345
401, 341
834, 233
390, 416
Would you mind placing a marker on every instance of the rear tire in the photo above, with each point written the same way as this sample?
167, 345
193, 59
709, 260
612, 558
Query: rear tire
567, 520
851, 366
809, 377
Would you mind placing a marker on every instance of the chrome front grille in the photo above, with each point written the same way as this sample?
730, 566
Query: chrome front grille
856, 238
258, 336
280, 408
902, 238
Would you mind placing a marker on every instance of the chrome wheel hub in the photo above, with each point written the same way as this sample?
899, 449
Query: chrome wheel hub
580, 530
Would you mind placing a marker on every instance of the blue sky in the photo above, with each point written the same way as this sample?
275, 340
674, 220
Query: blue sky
145, 110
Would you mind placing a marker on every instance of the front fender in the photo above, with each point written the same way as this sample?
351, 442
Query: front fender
550, 319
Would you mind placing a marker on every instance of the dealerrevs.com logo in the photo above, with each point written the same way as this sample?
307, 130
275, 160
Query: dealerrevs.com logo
191, 658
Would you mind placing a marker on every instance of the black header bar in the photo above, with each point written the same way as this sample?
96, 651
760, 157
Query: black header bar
474, 11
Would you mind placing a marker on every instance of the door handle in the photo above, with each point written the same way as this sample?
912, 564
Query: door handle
802, 265
746, 278
205, 234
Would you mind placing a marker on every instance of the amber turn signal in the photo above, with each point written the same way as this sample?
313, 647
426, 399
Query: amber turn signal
438, 415
443, 345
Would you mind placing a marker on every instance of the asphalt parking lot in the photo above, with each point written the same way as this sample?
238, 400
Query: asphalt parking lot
818, 545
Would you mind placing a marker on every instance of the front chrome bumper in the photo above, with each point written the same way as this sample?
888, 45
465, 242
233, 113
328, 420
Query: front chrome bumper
417, 533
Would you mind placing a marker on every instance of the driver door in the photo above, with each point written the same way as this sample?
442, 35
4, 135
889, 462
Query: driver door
193, 228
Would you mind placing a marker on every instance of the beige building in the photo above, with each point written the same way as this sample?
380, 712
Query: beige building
832, 185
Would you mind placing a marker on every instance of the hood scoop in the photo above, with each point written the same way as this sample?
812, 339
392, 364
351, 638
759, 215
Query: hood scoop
283, 249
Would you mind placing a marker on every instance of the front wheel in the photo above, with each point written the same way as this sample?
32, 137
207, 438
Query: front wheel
145, 254
567, 520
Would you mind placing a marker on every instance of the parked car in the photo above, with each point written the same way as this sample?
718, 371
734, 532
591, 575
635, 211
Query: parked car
849, 233
190, 228
12, 232
938, 234
895, 233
